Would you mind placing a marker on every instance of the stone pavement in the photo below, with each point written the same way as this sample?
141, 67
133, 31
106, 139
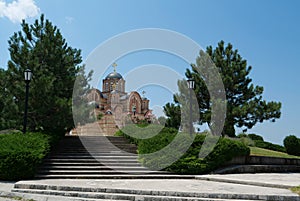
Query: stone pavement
277, 180
221, 187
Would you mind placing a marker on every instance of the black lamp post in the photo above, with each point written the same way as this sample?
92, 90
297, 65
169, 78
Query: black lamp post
191, 85
27, 75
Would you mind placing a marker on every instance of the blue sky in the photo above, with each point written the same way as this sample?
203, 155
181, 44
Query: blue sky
266, 33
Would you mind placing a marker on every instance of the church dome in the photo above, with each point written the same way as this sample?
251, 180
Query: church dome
114, 75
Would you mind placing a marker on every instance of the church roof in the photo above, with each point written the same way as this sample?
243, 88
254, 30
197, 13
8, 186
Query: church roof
114, 75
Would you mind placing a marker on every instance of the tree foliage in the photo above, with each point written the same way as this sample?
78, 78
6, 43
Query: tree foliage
8, 108
41, 47
245, 105
292, 145
173, 113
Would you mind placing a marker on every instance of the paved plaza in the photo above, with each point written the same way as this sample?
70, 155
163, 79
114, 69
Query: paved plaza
246, 185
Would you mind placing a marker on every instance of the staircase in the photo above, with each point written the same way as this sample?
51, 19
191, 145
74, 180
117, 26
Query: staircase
95, 157
107, 126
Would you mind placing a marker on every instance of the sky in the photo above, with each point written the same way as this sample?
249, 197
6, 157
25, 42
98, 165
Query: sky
266, 33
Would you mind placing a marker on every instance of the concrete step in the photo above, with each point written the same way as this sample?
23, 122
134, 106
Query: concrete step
105, 160
111, 153
102, 167
146, 195
93, 172
98, 149
89, 164
116, 157
120, 175
76, 160
119, 196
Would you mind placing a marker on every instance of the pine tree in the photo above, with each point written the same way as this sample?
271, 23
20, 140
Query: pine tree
173, 112
245, 106
8, 107
41, 47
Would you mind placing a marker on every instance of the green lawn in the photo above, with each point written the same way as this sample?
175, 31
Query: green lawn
255, 151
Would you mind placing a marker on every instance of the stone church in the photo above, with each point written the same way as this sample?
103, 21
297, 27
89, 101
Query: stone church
117, 105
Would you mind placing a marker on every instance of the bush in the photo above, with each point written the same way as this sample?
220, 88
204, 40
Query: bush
189, 163
247, 141
225, 150
258, 141
255, 137
20, 154
270, 146
241, 135
292, 145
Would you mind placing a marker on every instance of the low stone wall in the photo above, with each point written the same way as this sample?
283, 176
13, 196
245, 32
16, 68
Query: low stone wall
259, 164
263, 160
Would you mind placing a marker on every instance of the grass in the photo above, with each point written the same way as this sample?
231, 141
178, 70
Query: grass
296, 190
255, 151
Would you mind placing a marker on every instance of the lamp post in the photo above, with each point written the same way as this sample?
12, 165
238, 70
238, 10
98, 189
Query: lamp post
27, 75
191, 85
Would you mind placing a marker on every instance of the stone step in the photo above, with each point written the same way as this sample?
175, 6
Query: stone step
102, 160
119, 196
98, 157
98, 154
146, 195
71, 160
99, 167
93, 151
94, 172
91, 164
95, 148
123, 175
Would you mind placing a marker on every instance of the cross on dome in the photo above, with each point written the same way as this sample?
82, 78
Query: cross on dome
114, 65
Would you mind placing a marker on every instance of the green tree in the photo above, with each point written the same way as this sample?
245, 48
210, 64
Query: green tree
41, 47
162, 120
292, 145
173, 113
245, 105
8, 107
83, 112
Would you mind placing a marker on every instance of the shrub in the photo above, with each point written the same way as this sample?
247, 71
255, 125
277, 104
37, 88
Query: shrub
255, 137
258, 141
247, 141
270, 146
225, 150
189, 163
292, 145
20, 154
241, 135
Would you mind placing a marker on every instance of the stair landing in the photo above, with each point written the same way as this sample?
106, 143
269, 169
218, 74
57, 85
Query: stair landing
107, 126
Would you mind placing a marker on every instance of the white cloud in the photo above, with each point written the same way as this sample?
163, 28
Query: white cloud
18, 10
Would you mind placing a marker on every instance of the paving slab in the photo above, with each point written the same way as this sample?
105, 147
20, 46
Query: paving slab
6, 185
277, 180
